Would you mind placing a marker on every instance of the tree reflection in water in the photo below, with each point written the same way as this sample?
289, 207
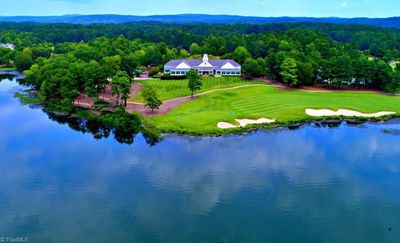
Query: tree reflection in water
123, 133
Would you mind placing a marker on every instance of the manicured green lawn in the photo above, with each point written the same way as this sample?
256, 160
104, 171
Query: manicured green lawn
169, 89
202, 114
6, 69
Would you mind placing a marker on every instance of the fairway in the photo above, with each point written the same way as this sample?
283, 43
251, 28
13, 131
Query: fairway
170, 89
203, 114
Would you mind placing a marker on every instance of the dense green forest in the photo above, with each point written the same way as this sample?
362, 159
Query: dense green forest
63, 59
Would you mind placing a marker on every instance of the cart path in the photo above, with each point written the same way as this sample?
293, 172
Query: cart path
172, 103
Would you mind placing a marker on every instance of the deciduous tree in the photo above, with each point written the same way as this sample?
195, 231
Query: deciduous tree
289, 72
254, 68
24, 60
241, 54
95, 79
393, 86
194, 80
195, 49
151, 99
121, 87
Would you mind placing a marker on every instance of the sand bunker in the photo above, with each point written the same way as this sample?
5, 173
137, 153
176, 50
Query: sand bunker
344, 112
226, 125
244, 122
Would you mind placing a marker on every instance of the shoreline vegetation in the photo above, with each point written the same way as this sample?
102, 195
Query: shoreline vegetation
8, 69
286, 107
292, 124
95, 67
156, 123
124, 126
153, 134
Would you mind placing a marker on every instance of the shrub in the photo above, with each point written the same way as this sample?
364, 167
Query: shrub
170, 77
153, 71
158, 75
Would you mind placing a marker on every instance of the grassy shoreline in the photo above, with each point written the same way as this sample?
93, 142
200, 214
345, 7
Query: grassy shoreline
287, 107
8, 69
270, 126
199, 117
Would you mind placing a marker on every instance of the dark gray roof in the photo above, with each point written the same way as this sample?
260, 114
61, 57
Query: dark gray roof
196, 63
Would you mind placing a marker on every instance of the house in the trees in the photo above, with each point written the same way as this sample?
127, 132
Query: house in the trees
226, 67
6, 45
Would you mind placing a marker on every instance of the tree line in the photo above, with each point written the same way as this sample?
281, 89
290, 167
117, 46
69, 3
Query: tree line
62, 71
64, 59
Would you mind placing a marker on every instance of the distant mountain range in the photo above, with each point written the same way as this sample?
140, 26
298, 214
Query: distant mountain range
393, 22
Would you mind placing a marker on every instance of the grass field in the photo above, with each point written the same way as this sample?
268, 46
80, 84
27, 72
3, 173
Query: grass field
6, 69
169, 89
203, 114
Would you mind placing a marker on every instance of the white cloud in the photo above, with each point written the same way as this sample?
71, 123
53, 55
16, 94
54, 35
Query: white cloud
344, 5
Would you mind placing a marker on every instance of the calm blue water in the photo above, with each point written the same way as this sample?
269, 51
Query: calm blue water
313, 184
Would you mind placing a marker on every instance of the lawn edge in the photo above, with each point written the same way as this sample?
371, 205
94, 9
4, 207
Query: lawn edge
279, 124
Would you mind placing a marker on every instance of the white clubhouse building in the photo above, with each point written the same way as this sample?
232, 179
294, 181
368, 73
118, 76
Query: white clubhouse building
225, 67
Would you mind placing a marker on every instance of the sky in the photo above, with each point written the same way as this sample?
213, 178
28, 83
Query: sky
263, 8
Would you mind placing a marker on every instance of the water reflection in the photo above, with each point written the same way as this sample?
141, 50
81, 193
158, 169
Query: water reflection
124, 134
312, 184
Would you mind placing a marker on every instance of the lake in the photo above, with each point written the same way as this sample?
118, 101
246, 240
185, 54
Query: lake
323, 182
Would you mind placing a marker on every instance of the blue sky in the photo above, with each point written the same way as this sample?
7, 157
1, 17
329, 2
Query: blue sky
309, 8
